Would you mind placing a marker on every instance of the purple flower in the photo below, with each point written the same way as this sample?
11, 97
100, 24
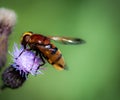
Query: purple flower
25, 61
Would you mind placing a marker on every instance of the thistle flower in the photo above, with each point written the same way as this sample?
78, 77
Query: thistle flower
24, 63
7, 22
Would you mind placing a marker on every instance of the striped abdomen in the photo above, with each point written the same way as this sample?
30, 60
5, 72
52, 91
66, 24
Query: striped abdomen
53, 55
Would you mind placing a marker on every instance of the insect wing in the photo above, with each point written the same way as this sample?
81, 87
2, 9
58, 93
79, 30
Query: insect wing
67, 40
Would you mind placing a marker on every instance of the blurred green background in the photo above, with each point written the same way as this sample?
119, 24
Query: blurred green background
94, 67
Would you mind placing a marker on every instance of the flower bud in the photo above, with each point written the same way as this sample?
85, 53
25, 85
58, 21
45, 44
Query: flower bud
12, 78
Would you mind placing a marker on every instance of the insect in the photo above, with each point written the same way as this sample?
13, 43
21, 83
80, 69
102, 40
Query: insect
46, 49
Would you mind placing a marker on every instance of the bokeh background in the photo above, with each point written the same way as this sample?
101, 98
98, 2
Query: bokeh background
94, 67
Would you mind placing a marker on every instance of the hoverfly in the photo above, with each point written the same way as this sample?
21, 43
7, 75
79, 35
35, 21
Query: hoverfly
47, 50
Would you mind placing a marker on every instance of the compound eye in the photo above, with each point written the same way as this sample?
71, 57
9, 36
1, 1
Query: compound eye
27, 37
25, 40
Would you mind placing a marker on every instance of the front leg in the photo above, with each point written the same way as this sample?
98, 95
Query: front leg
38, 53
23, 51
43, 61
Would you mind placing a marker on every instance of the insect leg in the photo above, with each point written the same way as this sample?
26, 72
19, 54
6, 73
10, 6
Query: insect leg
42, 59
22, 52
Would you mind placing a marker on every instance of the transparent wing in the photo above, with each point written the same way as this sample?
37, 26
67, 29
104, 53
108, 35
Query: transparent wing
67, 40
